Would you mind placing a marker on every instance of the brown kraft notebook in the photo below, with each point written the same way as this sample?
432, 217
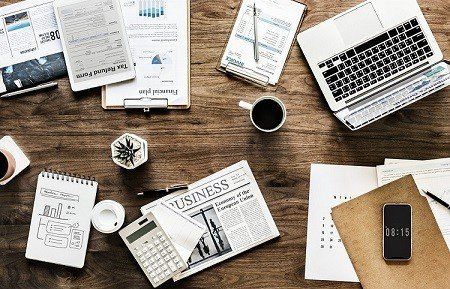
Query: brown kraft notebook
359, 223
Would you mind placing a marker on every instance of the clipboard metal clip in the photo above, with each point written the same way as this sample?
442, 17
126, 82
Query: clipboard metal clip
145, 103
248, 74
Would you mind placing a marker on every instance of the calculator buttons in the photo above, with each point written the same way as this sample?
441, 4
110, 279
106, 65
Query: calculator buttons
172, 266
155, 252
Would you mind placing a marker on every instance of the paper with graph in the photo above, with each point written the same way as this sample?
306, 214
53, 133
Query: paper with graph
158, 32
60, 223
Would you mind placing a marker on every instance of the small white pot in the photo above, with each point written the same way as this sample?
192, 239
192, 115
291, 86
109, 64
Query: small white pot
128, 145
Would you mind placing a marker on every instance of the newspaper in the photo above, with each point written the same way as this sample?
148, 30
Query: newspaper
30, 46
231, 206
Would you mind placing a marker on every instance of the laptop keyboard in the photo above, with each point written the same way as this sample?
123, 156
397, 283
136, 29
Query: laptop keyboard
384, 56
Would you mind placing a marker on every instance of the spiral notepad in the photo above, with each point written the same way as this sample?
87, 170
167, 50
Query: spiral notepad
60, 223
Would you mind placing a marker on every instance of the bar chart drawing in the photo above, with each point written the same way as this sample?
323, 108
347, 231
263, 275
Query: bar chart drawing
152, 8
53, 212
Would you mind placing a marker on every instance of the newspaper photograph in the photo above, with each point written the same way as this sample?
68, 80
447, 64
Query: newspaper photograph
30, 46
231, 206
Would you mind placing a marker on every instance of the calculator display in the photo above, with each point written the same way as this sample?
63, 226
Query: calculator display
141, 232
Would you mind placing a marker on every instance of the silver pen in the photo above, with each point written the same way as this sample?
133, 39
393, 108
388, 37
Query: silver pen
255, 30
34, 88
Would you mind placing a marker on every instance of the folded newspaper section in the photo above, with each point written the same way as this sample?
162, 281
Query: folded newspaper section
30, 49
233, 210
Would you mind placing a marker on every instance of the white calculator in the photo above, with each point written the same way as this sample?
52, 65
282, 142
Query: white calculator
152, 249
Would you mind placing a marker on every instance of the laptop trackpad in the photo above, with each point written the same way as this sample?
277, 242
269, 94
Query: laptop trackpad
358, 24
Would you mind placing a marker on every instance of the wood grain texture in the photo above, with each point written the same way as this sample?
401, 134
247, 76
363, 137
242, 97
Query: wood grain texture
69, 131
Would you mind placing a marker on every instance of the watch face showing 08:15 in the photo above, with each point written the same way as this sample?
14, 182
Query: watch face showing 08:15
397, 232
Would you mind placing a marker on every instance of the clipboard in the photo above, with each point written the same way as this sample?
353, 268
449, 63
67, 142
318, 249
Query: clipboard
362, 237
250, 75
149, 103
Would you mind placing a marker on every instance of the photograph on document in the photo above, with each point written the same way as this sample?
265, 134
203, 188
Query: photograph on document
214, 242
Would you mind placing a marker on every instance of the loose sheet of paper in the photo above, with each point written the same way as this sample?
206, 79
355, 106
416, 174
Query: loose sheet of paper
276, 26
331, 185
432, 176
184, 231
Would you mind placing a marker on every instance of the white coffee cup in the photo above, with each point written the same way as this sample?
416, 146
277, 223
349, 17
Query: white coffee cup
108, 216
267, 113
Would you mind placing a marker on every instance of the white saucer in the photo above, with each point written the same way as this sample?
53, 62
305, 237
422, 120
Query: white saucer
22, 162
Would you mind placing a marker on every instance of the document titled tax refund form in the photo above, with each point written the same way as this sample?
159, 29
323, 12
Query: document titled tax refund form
277, 22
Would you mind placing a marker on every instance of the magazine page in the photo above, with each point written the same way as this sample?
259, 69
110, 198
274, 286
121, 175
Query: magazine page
231, 206
30, 46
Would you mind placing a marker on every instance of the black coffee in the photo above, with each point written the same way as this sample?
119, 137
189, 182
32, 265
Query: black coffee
3, 165
267, 114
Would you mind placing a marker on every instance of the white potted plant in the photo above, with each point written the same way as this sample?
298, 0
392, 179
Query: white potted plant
129, 151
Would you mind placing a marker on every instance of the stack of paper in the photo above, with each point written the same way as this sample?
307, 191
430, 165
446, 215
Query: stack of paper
330, 185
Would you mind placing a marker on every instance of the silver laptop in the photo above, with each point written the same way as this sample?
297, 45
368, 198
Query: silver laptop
361, 55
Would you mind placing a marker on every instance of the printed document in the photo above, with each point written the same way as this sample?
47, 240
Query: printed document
184, 231
94, 41
277, 25
432, 176
30, 46
331, 185
158, 33
232, 208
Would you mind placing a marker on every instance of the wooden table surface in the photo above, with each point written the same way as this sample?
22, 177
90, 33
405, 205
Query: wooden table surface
69, 131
